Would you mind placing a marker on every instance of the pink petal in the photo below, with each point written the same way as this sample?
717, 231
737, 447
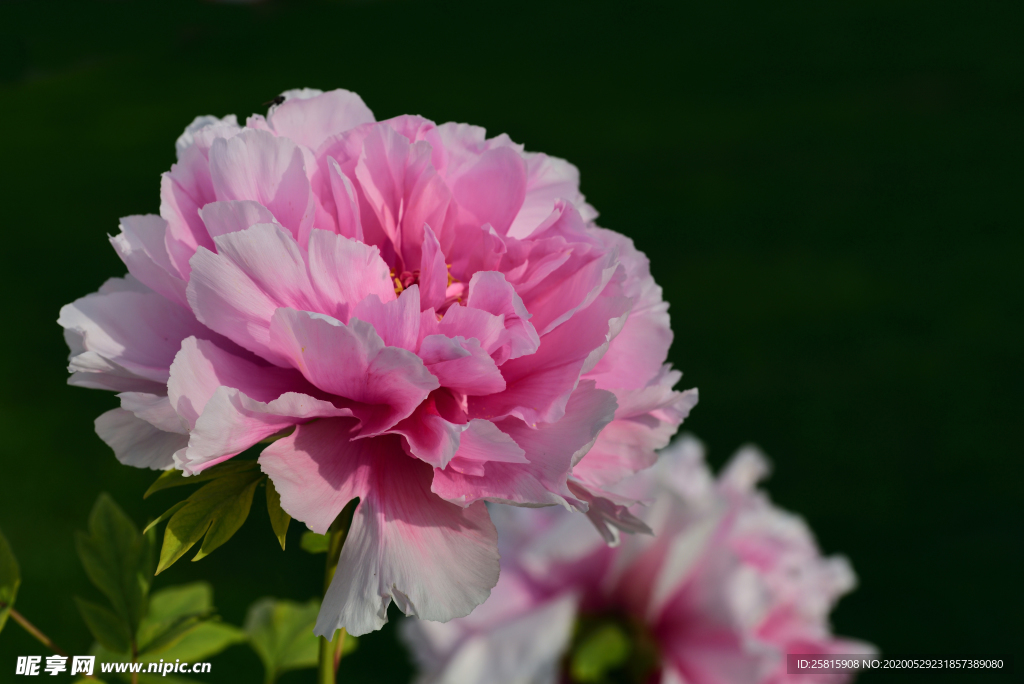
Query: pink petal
492, 189
644, 423
489, 291
126, 339
232, 422
137, 442
461, 365
433, 271
431, 438
402, 539
232, 216
539, 385
344, 272
226, 299
396, 321
463, 321
184, 190
310, 121
346, 203
142, 248
551, 450
155, 410
351, 361
607, 514
201, 366
484, 443
549, 179
254, 165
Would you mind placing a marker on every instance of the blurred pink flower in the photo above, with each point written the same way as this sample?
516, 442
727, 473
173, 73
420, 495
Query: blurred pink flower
434, 310
725, 589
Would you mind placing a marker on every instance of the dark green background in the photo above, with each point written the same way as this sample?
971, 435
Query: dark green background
830, 194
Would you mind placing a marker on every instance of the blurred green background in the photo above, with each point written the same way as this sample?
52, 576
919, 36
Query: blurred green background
830, 194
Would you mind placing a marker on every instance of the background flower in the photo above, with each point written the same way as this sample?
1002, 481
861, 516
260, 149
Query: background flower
728, 586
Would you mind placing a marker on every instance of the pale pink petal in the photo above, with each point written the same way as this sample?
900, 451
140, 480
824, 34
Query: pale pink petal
344, 272
184, 190
463, 321
551, 450
461, 365
226, 299
433, 272
254, 165
431, 438
402, 538
346, 203
155, 410
137, 442
539, 385
607, 514
482, 443
489, 291
202, 131
351, 361
491, 189
549, 179
142, 248
231, 216
129, 334
310, 121
402, 189
475, 249
232, 422
201, 366
396, 321
273, 261
644, 423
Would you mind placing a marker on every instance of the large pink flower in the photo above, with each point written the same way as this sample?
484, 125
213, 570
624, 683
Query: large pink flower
433, 311
728, 586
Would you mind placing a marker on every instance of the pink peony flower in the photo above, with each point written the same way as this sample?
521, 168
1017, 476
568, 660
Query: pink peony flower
728, 586
432, 311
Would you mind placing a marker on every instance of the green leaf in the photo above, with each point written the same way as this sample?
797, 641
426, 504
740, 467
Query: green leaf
213, 513
604, 648
117, 560
165, 515
176, 478
281, 633
173, 613
314, 543
204, 641
108, 629
279, 520
10, 579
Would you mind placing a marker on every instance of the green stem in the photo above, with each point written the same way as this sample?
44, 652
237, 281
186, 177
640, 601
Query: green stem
38, 635
330, 651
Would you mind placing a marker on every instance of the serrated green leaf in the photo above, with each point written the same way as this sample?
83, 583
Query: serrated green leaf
279, 520
166, 515
108, 628
215, 512
10, 579
116, 559
173, 613
314, 543
175, 478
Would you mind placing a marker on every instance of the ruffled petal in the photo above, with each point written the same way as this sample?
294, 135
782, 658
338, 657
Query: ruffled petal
255, 165
539, 385
402, 539
311, 120
231, 216
142, 248
351, 361
461, 365
344, 272
550, 449
137, 442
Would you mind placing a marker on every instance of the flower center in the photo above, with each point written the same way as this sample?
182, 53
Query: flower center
610, 648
